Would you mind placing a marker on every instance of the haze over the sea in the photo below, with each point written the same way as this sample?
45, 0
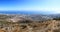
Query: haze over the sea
30, 6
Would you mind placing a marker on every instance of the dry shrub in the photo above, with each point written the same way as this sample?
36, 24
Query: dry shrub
56, 30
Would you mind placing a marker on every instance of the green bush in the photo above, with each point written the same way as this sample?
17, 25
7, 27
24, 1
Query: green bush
56, 18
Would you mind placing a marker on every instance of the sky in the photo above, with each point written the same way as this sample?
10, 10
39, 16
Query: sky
31, 5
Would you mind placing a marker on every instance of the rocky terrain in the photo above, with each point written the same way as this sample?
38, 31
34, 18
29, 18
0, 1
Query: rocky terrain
29, 23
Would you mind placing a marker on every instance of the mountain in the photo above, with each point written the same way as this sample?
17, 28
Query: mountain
26, 12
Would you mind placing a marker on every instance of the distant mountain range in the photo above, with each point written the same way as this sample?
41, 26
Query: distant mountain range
18, 12
25, 12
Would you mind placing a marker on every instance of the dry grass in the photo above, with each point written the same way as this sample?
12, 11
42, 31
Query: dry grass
47, 26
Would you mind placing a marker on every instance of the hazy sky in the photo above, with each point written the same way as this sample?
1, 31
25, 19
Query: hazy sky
39, 5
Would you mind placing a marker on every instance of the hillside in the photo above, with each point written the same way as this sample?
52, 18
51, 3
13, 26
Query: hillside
28, 23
